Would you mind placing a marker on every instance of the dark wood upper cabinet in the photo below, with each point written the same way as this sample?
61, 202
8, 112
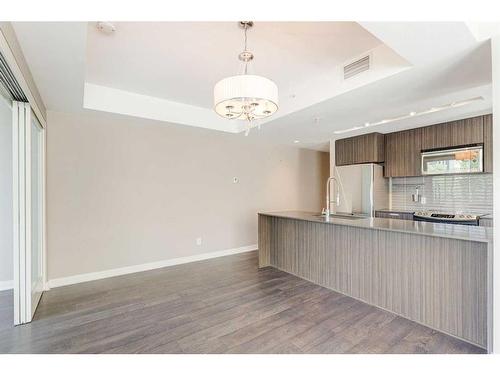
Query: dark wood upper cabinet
402, 153
366, 148
488, 143
455, 133
344, 151
402, 149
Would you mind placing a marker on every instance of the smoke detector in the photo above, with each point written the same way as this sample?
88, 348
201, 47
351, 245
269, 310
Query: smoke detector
106, 27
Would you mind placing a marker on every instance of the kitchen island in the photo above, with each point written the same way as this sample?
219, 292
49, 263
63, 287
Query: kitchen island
438, 275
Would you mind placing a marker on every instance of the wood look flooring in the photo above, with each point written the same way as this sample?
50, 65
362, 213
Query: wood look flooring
223, 305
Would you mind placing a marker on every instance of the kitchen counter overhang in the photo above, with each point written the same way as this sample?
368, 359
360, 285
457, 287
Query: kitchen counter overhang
436, 274
458, 232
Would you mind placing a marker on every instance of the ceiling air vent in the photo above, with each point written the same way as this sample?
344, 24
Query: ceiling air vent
359, 66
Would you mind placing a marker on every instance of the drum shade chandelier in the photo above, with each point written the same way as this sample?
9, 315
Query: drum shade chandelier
245, 96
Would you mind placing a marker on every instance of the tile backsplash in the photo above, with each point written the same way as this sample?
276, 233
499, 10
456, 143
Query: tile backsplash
455, 193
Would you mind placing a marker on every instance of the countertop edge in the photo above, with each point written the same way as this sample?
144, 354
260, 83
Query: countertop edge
362, 223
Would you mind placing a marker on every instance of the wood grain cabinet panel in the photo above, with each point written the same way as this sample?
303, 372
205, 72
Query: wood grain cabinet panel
366, 148
402, 153
488, 143
401, 150
438, 282
453, 134
343, 151
394, 215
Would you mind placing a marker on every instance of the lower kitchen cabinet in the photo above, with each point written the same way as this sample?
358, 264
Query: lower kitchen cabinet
394, 215
486, 222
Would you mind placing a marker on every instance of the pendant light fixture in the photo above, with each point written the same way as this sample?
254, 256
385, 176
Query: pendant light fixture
245, 96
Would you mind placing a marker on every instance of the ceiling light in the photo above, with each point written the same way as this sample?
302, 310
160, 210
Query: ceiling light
245, 96
296, 141
413, 114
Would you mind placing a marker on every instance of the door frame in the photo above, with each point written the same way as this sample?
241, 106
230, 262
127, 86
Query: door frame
20, 219
30, 302
22, 215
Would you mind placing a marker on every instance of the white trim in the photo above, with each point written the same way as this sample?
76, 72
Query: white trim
22, 210
54, 283
494, 334
18, 74
34, 290
30, 309
16, 212
24, 303
6, 285
21, 113
44, 210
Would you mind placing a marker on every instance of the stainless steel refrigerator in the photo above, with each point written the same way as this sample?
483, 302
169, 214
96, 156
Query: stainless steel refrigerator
363, 189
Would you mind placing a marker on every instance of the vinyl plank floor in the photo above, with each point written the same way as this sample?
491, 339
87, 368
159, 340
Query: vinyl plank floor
222, 305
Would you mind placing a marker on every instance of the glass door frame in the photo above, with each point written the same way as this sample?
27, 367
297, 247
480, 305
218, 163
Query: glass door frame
25, 301
21, 111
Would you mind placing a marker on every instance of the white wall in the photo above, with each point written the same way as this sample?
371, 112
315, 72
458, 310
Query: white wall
124, 191
6, 224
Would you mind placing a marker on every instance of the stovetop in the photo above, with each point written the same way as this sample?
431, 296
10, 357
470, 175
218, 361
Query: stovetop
446, 216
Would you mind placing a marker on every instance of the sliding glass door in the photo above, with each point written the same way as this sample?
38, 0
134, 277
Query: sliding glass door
35, 261
28, 188
29, 211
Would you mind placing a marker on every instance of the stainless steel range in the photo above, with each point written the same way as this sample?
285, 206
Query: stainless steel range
438, 217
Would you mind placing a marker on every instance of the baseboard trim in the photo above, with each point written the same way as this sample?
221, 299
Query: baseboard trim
84, 277
6, 285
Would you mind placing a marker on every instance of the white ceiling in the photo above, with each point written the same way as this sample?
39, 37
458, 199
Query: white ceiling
172, 67
55, 52
463, 76
182, 61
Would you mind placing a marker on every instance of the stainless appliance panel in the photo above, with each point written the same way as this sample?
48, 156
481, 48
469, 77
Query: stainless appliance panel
452, 161
363, 189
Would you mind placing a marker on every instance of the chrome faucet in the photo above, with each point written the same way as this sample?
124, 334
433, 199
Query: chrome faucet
328, 211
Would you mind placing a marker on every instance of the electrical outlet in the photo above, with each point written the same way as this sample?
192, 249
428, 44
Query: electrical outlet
198, 241
423, 200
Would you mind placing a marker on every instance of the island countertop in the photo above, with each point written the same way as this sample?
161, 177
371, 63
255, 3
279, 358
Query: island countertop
453, 231
438, 275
